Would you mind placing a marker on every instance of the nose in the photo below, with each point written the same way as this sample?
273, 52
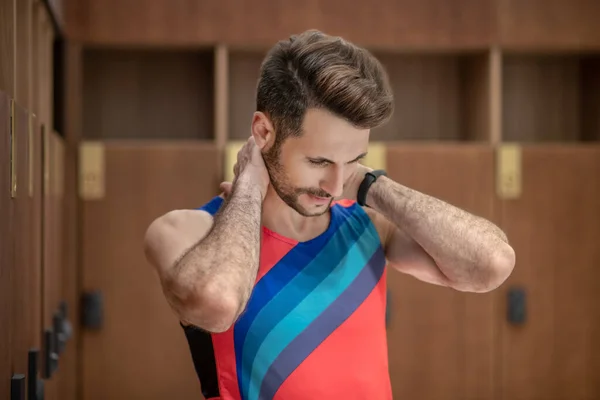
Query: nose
334, 182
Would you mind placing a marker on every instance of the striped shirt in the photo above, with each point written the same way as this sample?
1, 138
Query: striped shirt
314, 326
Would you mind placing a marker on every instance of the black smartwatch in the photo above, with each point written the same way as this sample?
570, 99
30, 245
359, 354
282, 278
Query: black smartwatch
368, 180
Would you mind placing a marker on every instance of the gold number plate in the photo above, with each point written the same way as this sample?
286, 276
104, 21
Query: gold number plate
508, 171
92, 171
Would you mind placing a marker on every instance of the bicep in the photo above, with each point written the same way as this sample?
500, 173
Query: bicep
404, 254
170, 236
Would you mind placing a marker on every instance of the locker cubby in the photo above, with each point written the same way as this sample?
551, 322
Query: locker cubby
438, 97
148, 94
551, 97
244, 69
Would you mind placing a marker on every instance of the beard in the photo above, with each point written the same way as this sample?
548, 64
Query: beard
285, 190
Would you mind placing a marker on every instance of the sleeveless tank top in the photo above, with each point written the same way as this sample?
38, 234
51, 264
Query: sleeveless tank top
314, 326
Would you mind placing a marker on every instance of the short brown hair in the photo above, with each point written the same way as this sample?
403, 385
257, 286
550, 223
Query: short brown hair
316, 70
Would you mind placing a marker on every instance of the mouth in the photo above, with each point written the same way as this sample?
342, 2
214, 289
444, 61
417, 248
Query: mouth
319, 200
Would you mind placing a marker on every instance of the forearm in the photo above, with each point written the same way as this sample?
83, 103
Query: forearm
469, 250
221, 269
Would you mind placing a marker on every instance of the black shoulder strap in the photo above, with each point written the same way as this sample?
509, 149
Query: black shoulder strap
203, 356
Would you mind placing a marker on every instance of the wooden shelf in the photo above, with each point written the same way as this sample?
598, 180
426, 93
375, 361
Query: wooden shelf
551, 97
148, 94
438, 97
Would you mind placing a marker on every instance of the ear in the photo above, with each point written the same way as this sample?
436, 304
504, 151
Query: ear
262, 130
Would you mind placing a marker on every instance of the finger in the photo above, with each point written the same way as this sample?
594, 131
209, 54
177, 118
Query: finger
226, 187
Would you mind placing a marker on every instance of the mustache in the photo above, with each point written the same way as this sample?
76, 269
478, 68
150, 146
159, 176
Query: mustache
314, 192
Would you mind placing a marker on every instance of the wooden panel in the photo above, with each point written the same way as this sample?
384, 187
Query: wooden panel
23, 52
439, 97
440, 340
36, 224
554, 230
7, 46
140, 352
52, 243
148, 94
25, 302
6, 248
549, 24
391, 24
551, 98
244, 70
72, 134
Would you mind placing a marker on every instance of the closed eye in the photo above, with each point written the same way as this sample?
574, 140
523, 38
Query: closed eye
321, 162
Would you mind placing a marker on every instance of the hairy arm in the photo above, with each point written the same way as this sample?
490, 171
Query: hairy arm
437, 242
208, 267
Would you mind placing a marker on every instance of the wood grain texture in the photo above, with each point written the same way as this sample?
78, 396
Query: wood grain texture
439, 337
148, 94
432, 24
6, 249
551, 98
23, 52
140, 352
437, 97
549, 24
553, 227
244, 69
52, 251
24, 301
71, 248
8, 53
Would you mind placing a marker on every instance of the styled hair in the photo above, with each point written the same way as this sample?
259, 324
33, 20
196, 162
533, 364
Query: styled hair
316, 70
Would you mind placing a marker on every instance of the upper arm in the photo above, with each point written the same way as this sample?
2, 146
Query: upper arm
171, 235
404, 254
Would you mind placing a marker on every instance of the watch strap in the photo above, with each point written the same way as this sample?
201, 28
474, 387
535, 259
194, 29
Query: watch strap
368, 180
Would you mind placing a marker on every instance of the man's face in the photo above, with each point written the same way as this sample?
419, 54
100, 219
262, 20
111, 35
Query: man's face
310, 171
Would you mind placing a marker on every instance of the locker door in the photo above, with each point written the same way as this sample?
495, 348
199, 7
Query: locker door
550, 352
136, 349
441, 340
52, 251
26, 273
6, 251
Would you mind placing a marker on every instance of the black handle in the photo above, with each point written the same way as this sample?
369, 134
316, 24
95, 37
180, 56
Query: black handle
17, 387
50, 356
35, 386
517, 305
92, 310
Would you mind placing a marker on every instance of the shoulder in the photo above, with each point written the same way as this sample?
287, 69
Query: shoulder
171, 234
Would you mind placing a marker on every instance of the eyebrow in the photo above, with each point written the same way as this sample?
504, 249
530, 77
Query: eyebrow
322, 159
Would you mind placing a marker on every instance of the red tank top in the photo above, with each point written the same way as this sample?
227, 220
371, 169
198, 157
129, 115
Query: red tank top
314, 326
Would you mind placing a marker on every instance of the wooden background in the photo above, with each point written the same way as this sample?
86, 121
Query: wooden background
140, 101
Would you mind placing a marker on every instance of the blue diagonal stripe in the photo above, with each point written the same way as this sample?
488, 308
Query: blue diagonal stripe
286, 270
316, 287
327, 322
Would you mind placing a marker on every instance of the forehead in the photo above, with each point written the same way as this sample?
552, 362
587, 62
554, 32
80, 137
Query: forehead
323, 132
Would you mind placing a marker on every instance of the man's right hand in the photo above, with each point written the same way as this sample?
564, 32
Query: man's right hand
250, 167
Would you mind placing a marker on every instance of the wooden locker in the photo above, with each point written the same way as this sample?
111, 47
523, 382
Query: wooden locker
441, 340
25, 302
139, 350
52, 257
35, 226
6, 249
549, 348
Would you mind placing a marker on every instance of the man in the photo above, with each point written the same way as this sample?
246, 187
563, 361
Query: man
279, 282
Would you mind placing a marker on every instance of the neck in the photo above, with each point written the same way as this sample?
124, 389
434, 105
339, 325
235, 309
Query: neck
280, 218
